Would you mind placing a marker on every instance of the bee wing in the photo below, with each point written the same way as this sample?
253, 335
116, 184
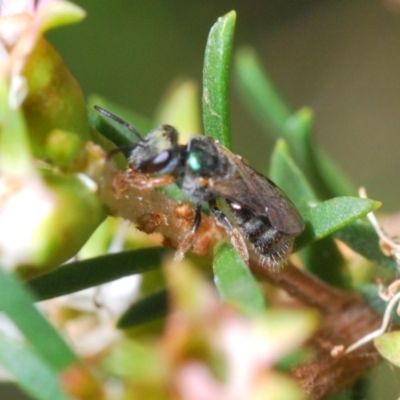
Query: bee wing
257, 193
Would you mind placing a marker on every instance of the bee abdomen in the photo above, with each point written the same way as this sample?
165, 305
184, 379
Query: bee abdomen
273, 246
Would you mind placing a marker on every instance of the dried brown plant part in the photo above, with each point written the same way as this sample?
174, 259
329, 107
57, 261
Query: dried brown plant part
144, 182
388, 293
389, 245
204, 239
345, 317
149, 222
381, 330
392, 296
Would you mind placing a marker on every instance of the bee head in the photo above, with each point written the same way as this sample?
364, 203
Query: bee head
158, 152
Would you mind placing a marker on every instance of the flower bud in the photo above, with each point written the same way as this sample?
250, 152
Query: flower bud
45, 221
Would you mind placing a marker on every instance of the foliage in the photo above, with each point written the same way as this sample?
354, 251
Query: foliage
58, 189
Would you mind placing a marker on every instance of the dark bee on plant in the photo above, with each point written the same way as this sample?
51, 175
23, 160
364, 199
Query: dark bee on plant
253, 207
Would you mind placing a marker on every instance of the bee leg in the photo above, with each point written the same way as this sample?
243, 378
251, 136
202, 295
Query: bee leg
187, 242
197, 219
236, 237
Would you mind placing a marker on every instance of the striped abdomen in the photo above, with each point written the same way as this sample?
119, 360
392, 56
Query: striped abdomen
272, 245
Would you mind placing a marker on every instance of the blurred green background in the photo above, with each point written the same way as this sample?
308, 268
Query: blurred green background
342, 58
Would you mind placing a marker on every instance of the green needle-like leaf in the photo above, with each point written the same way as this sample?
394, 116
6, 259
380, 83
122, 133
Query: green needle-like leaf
332, 215
370, 293
287, 175
216, 116
17, 303
323, 257
267, 106
30, 372
324, 174
234, 281
325, 177
335, 181
259, 93
84, 274
147, 309
362, 238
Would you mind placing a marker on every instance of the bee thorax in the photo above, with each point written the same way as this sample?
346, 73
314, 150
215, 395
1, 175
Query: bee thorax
195, 192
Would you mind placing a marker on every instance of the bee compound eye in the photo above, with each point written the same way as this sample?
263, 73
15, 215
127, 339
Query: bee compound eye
156, 163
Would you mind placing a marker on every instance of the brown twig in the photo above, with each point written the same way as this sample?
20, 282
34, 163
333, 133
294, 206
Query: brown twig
345, 316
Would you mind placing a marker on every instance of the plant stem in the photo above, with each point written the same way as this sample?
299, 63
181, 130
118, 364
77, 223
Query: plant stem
345, 318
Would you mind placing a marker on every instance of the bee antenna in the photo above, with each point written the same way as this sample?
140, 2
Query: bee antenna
114, 117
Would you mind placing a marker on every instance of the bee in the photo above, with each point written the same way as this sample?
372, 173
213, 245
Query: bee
258, 213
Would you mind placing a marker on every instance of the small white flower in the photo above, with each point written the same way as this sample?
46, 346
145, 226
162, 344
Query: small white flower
24, 206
